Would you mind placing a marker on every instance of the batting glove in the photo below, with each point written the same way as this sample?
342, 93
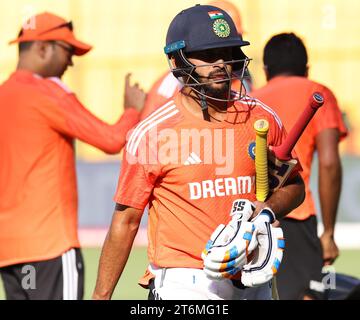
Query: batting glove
268, 254
230, 246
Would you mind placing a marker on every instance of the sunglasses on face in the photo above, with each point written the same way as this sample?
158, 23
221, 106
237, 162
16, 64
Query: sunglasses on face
70, 50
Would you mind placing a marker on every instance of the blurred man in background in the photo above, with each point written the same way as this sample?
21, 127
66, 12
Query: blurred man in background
167, 85
40, 117
288, 92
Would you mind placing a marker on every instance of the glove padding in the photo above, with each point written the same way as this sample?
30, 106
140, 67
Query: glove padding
268, 254
230, 246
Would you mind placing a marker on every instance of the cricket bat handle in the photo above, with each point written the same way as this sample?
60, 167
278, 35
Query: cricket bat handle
283, 152
261, 159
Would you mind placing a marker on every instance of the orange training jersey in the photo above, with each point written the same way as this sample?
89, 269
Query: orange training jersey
39, 119
190, 171
288, 96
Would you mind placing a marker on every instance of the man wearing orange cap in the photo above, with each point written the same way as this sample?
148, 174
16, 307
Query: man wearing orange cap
40, 117
167, 85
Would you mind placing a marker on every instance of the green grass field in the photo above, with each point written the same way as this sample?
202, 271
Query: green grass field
348, 263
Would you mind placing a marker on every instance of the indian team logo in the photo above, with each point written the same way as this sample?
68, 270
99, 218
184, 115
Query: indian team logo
251, 150
221, 28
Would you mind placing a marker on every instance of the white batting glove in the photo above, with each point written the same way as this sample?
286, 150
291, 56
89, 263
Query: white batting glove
268, 254
230, 246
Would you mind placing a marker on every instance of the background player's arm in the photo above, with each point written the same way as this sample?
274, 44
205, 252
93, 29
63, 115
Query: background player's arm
66, 114
285, 199
116, 250
330, 176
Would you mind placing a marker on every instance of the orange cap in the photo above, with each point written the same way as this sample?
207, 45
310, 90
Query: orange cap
46, 27
232, 11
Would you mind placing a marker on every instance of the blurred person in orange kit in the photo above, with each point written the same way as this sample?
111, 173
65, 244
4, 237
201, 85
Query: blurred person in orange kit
167, 85
287, 92
40, 256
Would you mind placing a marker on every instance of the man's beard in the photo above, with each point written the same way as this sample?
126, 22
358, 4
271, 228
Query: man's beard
222, 89
218, 92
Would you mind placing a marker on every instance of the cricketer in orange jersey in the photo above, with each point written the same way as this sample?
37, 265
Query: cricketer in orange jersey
189, 160
39, 120
287, 92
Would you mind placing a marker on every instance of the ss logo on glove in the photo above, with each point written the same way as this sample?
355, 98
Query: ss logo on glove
238, 205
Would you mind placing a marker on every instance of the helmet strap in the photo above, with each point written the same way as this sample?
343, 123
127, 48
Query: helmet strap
204, 105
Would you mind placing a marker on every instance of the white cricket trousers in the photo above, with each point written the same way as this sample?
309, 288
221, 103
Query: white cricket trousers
192, 284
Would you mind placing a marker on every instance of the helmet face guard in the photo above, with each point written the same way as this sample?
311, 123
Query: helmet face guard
186, 73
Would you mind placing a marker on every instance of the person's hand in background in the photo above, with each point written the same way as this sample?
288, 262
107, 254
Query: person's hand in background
134, 96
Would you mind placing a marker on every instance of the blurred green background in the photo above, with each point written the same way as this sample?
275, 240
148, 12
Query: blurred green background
128, 289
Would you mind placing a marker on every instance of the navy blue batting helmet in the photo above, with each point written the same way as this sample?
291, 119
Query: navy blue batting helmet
202, 27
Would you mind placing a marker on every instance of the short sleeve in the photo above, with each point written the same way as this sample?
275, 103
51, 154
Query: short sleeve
137, 180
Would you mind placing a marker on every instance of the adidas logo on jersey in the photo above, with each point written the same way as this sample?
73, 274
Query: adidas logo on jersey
192, 159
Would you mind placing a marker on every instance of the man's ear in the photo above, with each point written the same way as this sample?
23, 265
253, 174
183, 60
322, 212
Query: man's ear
307, 71
266, 72
42, 48
173, 62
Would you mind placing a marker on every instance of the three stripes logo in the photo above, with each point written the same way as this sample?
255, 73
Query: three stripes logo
192, 159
